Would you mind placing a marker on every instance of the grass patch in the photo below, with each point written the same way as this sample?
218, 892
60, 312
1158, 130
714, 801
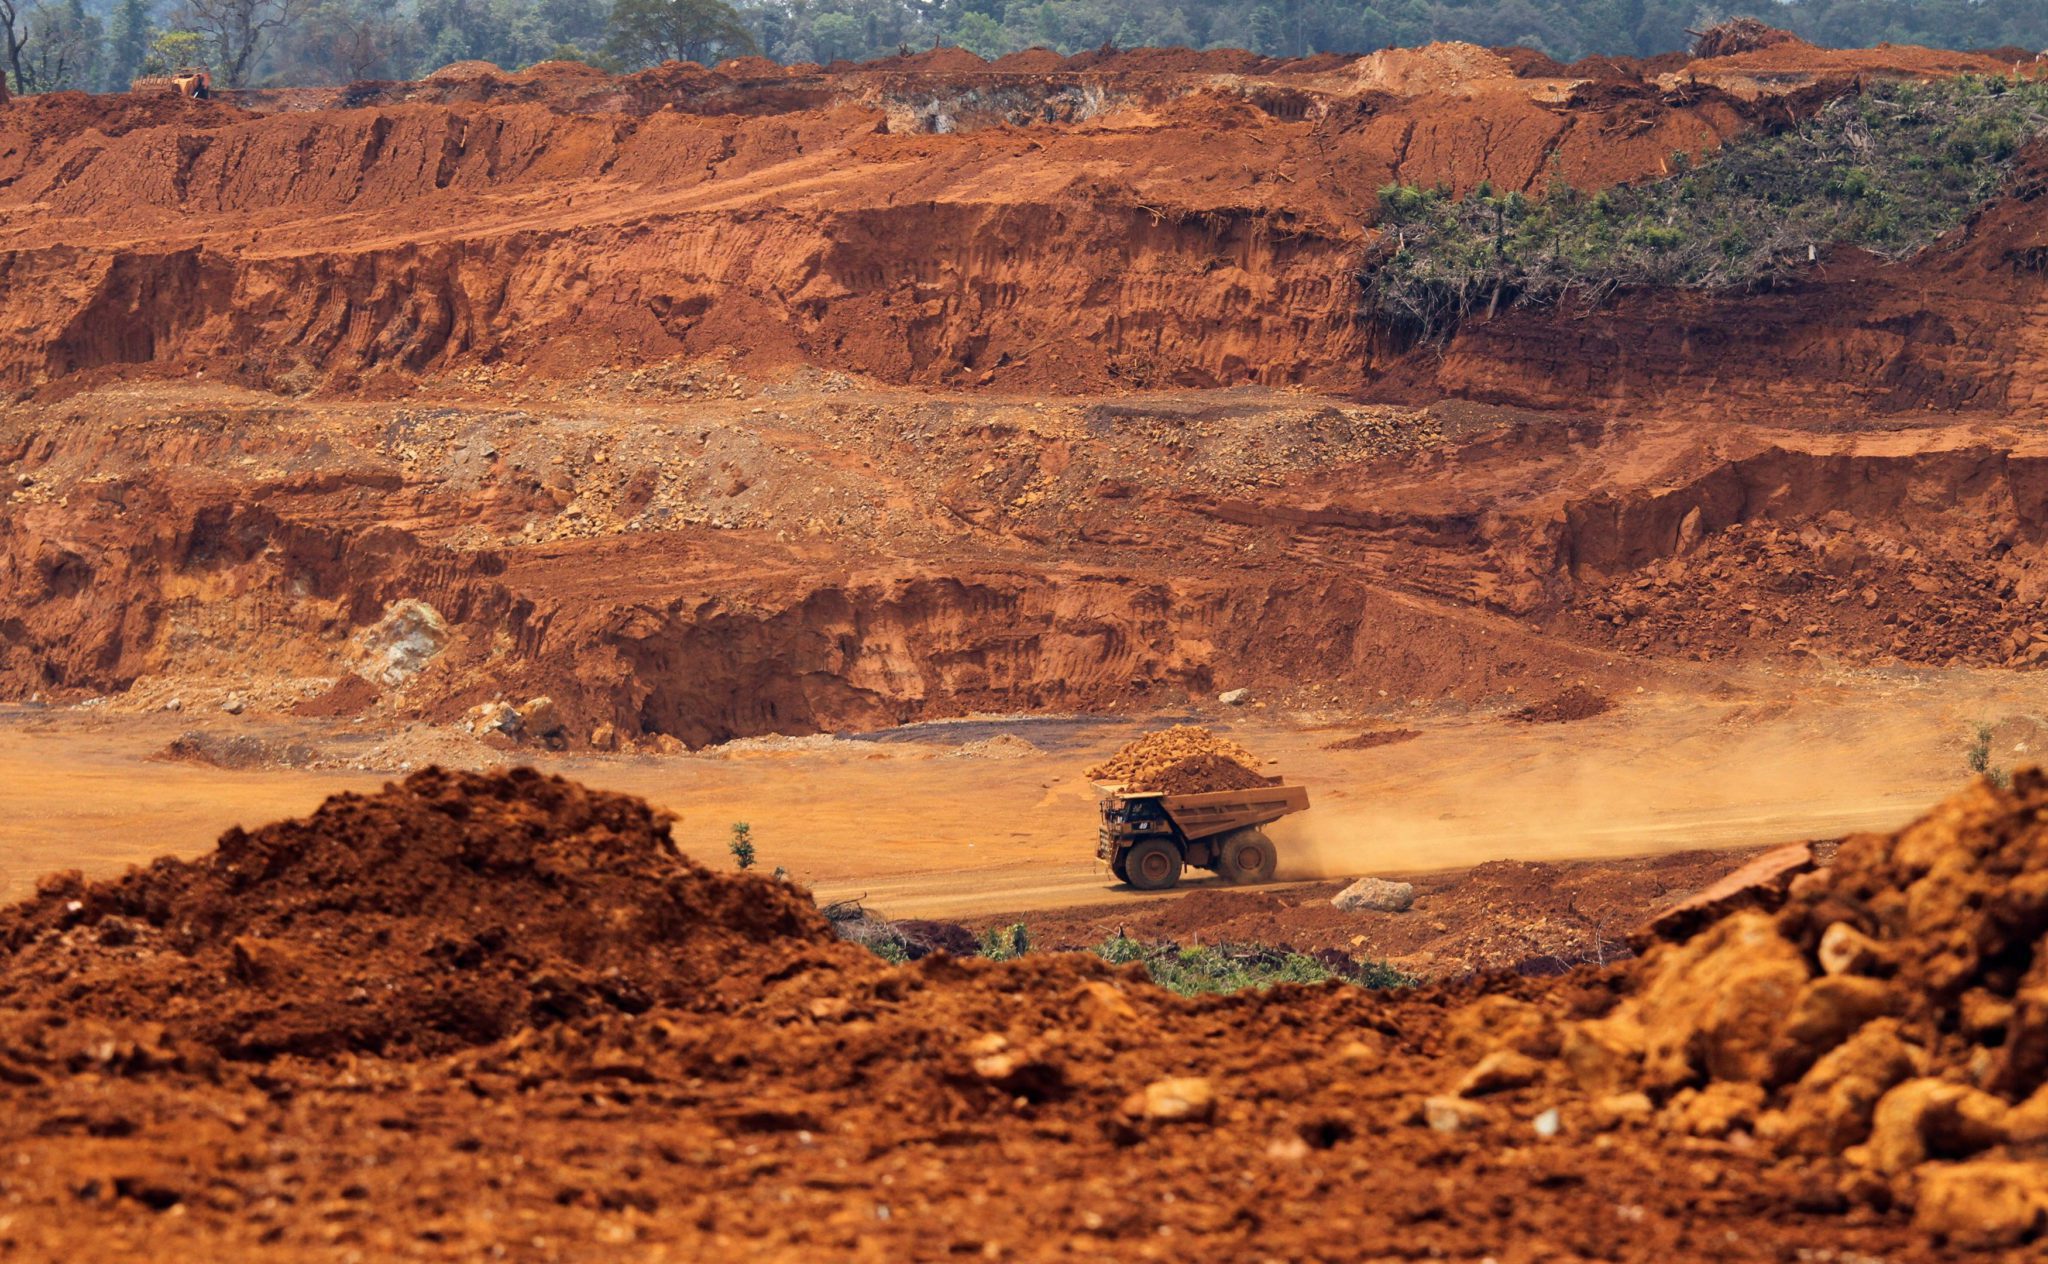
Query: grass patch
1214, 969
1888, 169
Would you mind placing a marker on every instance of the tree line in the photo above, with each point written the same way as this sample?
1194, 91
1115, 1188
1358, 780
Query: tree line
101, 45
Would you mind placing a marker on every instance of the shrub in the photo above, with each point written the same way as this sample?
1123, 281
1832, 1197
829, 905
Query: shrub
1221, 968
1978, 757
1888, 169
1005, 943
742, 844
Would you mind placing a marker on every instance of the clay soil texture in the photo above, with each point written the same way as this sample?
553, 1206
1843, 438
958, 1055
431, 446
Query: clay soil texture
503, 1013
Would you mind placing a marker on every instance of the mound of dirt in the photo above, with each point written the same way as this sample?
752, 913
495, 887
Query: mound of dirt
1202, 774
1575, 702
1001, 746
1142, 762
347, 696
1440, 67
1741, 35
1029, 61
452, 910
466, 72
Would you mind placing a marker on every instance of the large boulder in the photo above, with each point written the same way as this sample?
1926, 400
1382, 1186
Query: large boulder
1375, 895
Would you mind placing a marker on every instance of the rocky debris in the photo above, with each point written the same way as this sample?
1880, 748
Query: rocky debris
501, 718
1375, 895
1760, 884
233, 704
540, 719
1574, 702
238, 751
1372, 740
1183, 759
1234, 697
1889, 1012
398, 646
536, 719
1832, 588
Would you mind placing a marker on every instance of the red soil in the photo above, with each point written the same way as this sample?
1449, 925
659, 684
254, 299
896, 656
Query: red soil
413, 1020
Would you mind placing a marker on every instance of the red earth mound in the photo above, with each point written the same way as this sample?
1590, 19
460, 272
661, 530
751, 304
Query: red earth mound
656, 1055
451, 910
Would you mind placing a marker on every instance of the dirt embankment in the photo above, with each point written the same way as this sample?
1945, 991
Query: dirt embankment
582, 1034
1122, 223
687, 565
1952, 330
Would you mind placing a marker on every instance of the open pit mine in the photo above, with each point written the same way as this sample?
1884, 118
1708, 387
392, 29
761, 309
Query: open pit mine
916, 661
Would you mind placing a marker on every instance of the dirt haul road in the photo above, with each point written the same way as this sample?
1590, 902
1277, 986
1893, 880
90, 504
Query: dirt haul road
952, 820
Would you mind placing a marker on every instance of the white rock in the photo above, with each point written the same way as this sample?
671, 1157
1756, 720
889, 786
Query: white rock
1375, 895
406, 639
1234, 697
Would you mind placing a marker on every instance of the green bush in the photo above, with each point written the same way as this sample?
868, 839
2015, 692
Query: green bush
1978, 757
1888, 169
742, 844
1221, 968
1005, 943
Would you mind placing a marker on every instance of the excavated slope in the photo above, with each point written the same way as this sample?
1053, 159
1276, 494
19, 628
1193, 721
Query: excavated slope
1131, 223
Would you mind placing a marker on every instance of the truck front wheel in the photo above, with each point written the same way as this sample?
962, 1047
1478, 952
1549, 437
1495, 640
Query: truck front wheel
1116, 866
1246, 857
1153, 865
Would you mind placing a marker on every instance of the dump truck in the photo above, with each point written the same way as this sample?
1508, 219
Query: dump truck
1148, 837
186, 81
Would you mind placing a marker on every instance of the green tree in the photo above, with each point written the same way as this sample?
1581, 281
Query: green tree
645, 32
238, 30
169, 50
127, 45
836, 36
50, 46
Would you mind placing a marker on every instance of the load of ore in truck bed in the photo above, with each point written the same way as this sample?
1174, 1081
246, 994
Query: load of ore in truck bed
1183, 759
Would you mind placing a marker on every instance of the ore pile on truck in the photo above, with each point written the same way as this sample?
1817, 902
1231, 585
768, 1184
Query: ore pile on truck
1184, 796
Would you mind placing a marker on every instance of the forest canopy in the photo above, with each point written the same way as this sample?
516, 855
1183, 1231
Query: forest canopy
103, 44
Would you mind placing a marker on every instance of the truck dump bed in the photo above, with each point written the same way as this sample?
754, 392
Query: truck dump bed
1203, 815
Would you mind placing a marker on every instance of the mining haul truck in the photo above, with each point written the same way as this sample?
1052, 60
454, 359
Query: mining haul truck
186, 81
1148, 838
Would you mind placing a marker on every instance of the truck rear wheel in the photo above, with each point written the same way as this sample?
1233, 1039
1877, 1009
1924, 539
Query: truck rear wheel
1247, 857
1153, 865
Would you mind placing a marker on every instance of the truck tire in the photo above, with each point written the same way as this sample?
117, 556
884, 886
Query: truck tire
1247, 856
1153, 865
1117, 867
